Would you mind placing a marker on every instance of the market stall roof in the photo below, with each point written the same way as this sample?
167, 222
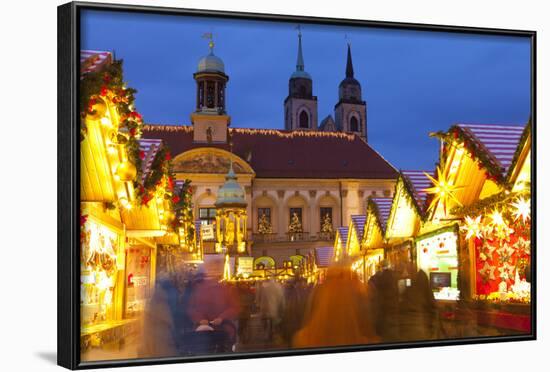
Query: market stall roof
149, 149
343, 233
521, 153
324, 256
417, 182
358, 223
383, 205
300, 154
93, 60
499, 141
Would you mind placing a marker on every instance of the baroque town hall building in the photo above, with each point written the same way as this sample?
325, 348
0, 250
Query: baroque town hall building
307, 171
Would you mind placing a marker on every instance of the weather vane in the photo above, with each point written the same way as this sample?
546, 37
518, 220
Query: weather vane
210, 37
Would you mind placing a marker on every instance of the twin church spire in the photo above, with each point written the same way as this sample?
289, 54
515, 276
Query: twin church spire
350, 112
211, 121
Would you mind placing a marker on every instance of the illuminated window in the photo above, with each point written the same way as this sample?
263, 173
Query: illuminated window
324, 212
207, 216
264, 212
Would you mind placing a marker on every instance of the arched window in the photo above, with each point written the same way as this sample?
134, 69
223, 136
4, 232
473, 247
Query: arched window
353, 124
304, 119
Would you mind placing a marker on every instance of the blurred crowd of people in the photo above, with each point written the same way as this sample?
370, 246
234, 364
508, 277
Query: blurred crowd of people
194, 314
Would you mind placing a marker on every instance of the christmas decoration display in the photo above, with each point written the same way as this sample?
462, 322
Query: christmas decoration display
443, 190
107, 84
264, 226
327, 224
500, 232
183, 222
295, 225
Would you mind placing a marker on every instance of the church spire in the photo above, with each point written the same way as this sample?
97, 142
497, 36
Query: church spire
349, 64
300, 61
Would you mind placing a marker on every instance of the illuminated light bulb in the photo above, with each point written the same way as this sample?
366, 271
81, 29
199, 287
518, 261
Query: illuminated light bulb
111, 149
105, 121
522, 209
472, 227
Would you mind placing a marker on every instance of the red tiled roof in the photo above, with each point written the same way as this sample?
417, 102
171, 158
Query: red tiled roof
284, 154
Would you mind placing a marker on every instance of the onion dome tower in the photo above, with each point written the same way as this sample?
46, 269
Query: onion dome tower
210, 120
300, 104
231, 216
351, 111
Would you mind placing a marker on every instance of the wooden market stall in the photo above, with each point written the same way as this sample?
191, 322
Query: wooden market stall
120, 177
482, 195
373, 243
404, 220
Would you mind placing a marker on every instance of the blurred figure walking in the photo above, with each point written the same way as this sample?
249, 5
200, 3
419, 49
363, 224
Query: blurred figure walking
418, 311
384, 302
160, 322
335, 314
271, 301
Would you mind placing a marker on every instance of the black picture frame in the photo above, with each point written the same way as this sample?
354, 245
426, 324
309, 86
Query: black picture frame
68, 319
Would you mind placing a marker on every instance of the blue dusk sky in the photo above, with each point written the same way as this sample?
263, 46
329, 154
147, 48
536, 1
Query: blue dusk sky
414, 82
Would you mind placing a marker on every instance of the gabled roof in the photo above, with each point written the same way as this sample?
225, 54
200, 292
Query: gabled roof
289, 154
525, 140
323, 256
359, 224
497, 142
343, 233
93, 60
383, 208
416, 182
149, 149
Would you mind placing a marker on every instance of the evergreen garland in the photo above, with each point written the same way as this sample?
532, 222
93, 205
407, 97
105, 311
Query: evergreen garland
108, 84
458, 134
372, 207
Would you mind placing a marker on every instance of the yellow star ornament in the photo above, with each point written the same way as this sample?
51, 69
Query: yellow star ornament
443, 190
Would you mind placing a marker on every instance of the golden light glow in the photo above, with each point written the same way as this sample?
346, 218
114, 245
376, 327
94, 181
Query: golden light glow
443, 190
522, 209
472, 227
497, 220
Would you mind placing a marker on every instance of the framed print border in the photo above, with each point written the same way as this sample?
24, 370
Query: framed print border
68, 318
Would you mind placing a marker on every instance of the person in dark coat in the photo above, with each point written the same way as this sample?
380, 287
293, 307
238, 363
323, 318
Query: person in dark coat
384, 303
418, 316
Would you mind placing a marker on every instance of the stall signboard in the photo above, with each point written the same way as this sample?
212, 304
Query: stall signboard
437, 256
245, 266
207, 232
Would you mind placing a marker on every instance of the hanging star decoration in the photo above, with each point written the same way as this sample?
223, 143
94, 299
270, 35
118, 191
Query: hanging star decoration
522, 209
472, 227
487, 272
442, 190
499, 225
